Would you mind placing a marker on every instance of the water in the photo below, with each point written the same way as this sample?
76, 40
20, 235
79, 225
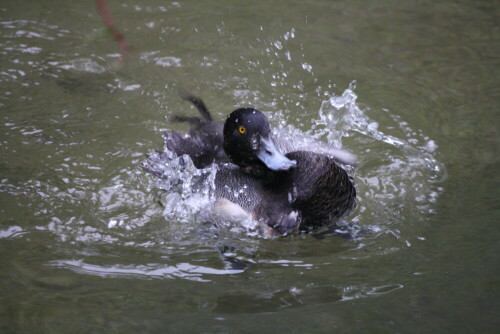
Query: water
86, 246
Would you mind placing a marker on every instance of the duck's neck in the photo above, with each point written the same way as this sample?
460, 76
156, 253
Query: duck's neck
266, 176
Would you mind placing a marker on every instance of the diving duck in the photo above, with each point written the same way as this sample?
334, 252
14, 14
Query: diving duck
296, 191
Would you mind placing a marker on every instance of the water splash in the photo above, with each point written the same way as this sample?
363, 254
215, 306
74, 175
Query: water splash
188, 190
188, 197
394, 175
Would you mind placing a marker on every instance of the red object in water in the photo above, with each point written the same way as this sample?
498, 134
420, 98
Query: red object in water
115, 33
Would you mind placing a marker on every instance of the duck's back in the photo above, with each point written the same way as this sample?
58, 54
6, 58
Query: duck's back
320, 189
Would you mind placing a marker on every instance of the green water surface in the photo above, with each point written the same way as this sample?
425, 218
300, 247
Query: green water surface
86, 248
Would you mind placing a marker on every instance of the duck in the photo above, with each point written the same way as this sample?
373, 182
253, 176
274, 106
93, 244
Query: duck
294, 192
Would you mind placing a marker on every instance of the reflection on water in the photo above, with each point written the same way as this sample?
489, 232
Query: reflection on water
11, 232
181, 270
275, 301
354, 292
237, 302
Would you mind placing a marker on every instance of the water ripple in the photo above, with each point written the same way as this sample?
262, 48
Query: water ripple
181, 270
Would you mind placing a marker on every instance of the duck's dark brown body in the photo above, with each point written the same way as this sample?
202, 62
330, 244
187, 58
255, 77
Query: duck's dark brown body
312, 190
313, 194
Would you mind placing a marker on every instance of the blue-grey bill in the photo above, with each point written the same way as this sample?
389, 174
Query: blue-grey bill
273, 158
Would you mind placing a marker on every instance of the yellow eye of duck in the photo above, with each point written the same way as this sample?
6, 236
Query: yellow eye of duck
242, 130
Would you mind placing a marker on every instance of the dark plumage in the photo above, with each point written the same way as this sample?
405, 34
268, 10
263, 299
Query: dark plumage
300, 190
204, 144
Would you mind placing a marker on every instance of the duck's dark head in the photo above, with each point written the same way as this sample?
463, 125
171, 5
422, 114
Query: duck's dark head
248, 142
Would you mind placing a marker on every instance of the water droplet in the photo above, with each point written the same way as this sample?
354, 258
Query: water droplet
307, 67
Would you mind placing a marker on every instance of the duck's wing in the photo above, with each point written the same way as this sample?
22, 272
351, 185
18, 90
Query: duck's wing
204, 142
289, 142
322, 190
